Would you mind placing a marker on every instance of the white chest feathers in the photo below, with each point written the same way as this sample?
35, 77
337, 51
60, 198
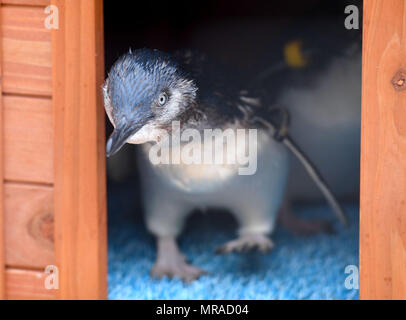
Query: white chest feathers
207, 162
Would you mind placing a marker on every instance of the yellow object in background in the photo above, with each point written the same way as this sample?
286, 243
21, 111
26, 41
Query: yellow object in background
293, 54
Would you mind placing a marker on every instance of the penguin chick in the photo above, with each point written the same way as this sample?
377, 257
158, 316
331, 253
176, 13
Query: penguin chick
145, 93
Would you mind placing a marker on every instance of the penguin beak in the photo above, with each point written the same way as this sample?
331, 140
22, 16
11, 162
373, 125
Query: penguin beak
119, 137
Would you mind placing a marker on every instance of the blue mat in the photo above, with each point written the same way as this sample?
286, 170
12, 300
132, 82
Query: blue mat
298, 268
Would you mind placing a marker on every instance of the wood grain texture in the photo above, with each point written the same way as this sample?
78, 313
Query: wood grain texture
80, 190
27, 2
2, 236
383, 154
26, 45
28, 139
27, 285
29, 226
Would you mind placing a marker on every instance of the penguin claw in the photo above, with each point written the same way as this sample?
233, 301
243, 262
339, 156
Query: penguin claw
247, 243
182, 270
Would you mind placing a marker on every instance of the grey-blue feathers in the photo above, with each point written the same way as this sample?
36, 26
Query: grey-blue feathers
145, 86
137, 78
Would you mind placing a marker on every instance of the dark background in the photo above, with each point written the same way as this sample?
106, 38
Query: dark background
246, 35
233, 27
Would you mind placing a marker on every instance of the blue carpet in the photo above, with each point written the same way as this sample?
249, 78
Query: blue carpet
298, 268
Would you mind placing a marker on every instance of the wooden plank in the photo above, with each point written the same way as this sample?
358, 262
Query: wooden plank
28, 139
27, 2
29, 226
80, 190
2, 238
383, 154
27, 285
26, 47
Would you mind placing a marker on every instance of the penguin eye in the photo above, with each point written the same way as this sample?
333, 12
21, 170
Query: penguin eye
163, 98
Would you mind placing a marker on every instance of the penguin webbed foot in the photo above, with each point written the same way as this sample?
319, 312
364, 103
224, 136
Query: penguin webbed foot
247, 243
172, 263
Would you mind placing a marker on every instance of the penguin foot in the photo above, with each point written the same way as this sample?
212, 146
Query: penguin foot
171, 262
247, 243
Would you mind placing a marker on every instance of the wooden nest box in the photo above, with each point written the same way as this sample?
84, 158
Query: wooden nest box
52, 156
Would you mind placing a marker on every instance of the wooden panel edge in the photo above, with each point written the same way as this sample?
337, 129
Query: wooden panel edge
2, 236
28, 215
31, 3
79, 156
26, 44
383, 149
24, 284
19, 145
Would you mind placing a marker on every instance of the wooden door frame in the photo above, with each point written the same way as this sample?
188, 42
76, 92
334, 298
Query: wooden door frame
383, 151
79, 156
2, 231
